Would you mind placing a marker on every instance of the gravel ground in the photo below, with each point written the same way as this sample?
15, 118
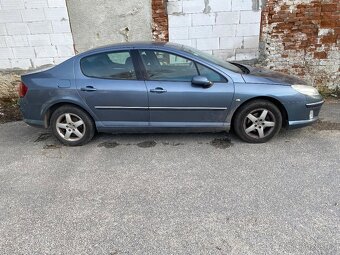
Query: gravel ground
171, 193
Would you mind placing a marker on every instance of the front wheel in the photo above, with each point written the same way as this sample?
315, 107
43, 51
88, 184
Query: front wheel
72, 126
257, 121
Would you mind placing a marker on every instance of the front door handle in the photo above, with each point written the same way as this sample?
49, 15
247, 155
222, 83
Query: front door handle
158, 90
88, 88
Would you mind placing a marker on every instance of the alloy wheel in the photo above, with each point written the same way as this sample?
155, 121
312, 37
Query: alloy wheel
70, 127
259, 123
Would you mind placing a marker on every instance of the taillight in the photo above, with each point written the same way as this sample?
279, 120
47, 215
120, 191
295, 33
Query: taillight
22, 89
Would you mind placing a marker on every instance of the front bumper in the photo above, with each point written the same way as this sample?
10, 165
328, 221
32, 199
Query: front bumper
312, 115
315, 105
302, 123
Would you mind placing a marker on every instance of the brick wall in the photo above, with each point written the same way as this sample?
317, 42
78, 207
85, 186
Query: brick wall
301, 37
34, 33
160, 21
228, 28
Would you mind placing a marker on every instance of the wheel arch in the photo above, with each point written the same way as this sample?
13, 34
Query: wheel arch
273, 100
52, 108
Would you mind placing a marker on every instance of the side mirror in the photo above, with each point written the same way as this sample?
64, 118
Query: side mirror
201, 81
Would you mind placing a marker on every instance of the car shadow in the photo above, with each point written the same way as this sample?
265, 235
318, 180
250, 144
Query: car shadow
221, 140
146, 140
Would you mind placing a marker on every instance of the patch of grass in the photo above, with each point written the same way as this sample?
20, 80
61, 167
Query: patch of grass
9, 110
330, 93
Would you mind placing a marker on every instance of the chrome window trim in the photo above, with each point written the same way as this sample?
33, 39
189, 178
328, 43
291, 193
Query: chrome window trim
188, 108
120, 107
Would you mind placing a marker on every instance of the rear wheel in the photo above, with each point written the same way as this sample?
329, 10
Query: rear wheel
257, 121
72, 126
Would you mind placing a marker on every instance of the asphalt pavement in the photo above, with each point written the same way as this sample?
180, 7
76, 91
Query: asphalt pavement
171, 193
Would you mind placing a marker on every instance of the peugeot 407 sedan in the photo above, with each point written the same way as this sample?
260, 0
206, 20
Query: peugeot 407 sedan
162, 87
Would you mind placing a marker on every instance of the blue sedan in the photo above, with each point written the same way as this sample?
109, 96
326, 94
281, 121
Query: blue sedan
163, 87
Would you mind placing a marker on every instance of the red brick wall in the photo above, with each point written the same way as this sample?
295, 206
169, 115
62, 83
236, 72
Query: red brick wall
301, 37
160, 21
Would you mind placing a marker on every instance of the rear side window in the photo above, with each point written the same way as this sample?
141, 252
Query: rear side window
113, 65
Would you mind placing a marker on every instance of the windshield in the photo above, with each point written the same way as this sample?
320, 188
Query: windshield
212, 59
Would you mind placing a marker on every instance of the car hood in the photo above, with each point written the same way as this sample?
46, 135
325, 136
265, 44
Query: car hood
262, 75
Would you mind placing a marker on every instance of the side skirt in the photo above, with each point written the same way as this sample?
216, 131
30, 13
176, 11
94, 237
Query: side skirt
164, 127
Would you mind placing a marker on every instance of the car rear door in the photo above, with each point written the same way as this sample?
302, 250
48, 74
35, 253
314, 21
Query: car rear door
110, 85
174, 101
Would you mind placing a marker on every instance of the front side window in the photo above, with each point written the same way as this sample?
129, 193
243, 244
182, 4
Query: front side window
164, 66
210, 74
113, 65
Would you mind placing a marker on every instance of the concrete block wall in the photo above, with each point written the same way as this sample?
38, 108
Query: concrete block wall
34, 33
227, 28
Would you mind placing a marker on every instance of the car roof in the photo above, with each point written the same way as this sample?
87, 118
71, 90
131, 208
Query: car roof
173, 47
133, 45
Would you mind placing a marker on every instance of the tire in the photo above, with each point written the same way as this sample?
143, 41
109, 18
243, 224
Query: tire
72, 126
257, 121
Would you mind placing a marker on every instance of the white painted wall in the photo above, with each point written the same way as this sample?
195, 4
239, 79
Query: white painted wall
34, 33
228, 28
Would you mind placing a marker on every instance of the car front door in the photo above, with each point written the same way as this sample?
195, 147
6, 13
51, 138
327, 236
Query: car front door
174, 101
109, 84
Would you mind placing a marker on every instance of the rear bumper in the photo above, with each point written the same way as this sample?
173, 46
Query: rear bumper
35, 123
30, 114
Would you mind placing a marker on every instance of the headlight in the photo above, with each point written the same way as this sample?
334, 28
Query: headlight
306, 90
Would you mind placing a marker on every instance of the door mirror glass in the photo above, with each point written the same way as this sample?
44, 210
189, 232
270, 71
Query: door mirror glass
201, 81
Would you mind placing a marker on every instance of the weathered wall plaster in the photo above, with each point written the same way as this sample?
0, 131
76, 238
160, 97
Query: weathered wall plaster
302, 37
96, 23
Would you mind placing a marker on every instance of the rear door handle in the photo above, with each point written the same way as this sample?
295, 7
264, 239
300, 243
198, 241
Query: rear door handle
158, 90
88, 88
